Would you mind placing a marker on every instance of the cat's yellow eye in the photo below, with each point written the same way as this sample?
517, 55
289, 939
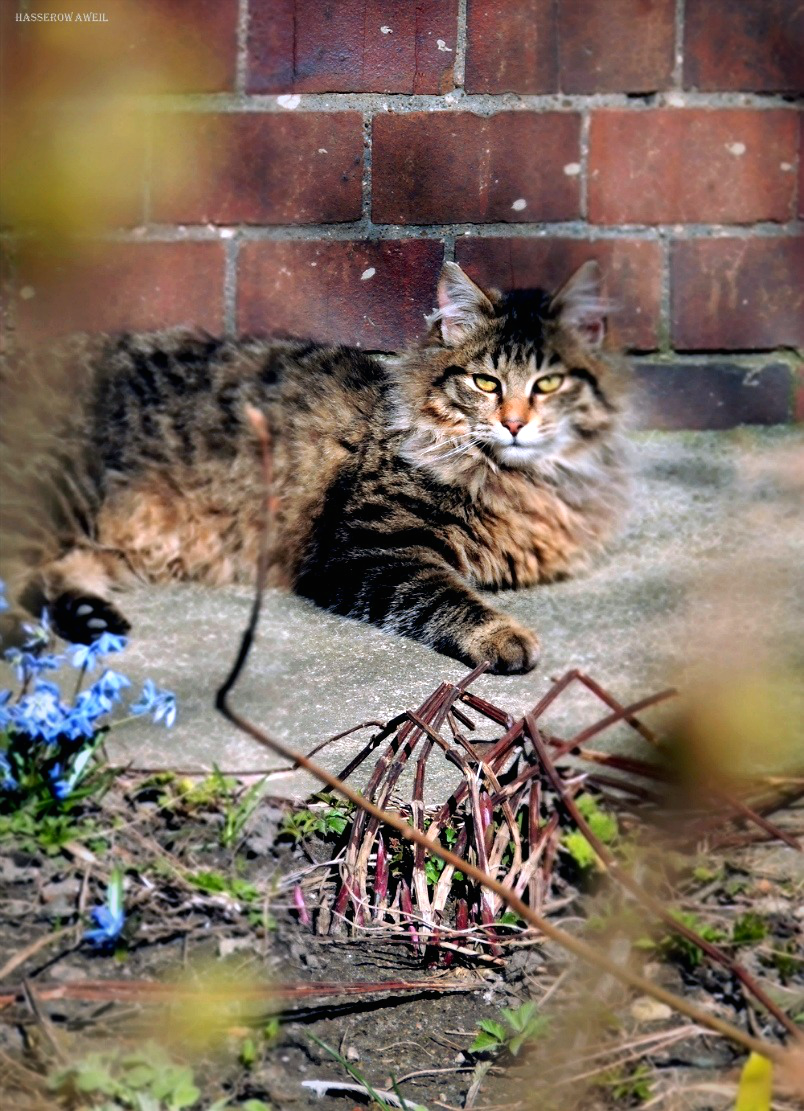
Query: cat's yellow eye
486, 383
549, 384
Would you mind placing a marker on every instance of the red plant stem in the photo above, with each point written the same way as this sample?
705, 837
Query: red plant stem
385, 731
346, 733
639, 893
496, 755
298, 902
465, 721
628, 714
488, 710
613, 704
622, 713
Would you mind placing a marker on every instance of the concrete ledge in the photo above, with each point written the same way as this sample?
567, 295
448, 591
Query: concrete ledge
712, 513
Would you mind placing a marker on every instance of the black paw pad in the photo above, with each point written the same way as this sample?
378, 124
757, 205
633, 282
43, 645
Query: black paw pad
82, 618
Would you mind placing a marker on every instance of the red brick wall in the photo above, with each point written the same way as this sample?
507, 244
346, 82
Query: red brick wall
339, 151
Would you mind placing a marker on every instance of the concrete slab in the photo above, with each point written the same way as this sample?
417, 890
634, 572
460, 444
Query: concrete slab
715, 541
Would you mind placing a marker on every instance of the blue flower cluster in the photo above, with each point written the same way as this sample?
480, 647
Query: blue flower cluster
109, 918
50, 738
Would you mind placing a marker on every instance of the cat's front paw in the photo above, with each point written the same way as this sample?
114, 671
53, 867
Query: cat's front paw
510, 648
83, 618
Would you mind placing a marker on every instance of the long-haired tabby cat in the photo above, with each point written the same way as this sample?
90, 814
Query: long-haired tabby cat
489, 456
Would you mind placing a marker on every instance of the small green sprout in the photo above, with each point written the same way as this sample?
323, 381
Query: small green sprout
520, 1025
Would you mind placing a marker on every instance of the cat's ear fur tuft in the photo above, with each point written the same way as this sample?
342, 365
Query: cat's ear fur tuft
581, 306
462, 305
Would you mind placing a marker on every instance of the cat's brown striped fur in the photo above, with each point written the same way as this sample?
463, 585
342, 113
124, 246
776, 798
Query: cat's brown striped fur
398, 488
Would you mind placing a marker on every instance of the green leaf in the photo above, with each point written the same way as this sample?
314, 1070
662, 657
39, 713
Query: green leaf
94, 1078
139, 1075
485, 1041
749, 928
248, 1052
516, 1043
184, 1095
603, 825
496, 1029
579, 849
519, 1018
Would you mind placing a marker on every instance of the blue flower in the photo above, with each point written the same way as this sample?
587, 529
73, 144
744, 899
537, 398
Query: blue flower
3, 600
5, 714
41, 714
161, 703
59, 786
27, 664
87, 655
38, 635
109, 918
63, 785
107, 690
7, 780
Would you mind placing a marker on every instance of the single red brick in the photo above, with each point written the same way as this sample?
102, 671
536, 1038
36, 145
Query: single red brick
187, 45
352, 46
798, 397
369, 294
801, 166
511, 47
145, 46
620, 46
712, 395
632, 270
121, 286
673, 165
737, 294
260, 168
444, 167
755, 45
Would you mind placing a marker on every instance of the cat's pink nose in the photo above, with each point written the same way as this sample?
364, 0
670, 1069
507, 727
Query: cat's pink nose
513, 426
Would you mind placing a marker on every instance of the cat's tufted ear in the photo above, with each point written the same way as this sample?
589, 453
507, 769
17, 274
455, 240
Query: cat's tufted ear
580, 305
462, 305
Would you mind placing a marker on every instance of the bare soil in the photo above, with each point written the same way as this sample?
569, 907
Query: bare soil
222, 922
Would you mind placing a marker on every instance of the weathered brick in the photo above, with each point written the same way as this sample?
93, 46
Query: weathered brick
145, 46
620, 46
187, 45
737, 294
352, 46
800, 166
132, 286
370, 294
711, 395
431, 168
260, 168
536, 46
691, 165
511, 47
798, 397
755, 45
631, 269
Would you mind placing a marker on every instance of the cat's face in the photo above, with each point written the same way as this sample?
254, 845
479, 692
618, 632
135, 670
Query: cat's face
517, 379
518, 407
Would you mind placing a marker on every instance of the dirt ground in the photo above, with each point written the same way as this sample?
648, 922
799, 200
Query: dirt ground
212, 910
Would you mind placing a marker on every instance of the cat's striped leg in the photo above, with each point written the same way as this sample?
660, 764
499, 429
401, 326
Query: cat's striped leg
416, 593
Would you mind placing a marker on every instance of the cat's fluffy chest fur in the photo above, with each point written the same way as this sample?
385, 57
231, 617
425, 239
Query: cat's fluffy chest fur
487, 457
